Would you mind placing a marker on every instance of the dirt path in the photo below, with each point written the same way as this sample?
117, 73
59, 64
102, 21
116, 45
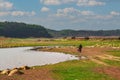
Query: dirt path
109, 57
98, 62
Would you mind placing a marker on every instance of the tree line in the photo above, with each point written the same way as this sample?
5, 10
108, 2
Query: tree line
22, 30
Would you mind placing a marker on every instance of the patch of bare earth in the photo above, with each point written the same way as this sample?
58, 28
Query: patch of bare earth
32, 74
98, 62
85, 51
109, 57
111, 71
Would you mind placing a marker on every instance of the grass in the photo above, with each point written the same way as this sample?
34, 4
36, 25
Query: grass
17, 42
77, 70
70, 70
112, 62
114, 52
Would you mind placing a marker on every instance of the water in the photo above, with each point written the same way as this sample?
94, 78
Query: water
16, 57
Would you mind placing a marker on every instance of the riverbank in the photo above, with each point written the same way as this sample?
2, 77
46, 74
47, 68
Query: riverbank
94, 68
103, 62
86, 51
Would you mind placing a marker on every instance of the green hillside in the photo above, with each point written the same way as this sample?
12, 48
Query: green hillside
22, 30
83, 33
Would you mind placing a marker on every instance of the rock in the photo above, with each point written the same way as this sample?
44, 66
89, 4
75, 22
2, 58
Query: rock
13, 72
24, 68
7, 71
83, 57
15, 68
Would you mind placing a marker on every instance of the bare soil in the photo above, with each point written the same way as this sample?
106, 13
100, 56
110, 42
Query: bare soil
86, 51
111, 71
32, 74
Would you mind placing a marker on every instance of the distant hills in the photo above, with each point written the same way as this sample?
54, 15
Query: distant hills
22, 30
83, 33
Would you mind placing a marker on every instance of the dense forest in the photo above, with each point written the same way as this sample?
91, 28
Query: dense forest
22, 30
84, 33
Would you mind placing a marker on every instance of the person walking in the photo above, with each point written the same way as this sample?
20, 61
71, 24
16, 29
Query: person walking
80, 48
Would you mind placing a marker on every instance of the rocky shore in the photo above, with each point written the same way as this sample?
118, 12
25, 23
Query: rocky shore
14, 71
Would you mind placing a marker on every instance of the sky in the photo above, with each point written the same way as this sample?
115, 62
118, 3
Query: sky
63, 14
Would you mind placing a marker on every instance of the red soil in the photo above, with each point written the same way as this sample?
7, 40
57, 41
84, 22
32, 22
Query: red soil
111, 71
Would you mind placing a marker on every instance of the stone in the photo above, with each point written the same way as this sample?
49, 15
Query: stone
24, 68
7, 71
13, 72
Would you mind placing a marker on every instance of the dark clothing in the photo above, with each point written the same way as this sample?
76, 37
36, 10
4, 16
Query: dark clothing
80, 48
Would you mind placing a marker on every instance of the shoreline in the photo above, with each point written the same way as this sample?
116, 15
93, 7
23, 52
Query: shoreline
48, 72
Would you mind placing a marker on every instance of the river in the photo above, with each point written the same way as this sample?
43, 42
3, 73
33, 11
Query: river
16, 57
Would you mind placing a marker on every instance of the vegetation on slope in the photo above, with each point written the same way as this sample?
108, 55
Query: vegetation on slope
83, 33
22, 30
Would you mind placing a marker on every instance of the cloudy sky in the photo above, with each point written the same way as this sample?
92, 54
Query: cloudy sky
63, 14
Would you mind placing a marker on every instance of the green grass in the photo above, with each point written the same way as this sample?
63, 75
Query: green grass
112, 62
77, 70
114, 52
17, 42
70, 70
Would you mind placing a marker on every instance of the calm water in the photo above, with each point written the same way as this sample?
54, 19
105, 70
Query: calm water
16, 57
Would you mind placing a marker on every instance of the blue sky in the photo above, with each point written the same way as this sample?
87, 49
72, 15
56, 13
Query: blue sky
63, 14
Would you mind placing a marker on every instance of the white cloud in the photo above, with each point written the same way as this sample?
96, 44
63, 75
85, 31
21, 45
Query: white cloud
5, 5
17, 13
33, 13
111, 15
4, 13
90, 3
67, 1
22, 13
114, 13
6, 9
56, 2
78, 2
72, 12
103, 17
44, 9
85, 14
50, 2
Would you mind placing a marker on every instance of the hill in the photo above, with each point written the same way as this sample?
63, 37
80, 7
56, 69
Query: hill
83, 33
22, 30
